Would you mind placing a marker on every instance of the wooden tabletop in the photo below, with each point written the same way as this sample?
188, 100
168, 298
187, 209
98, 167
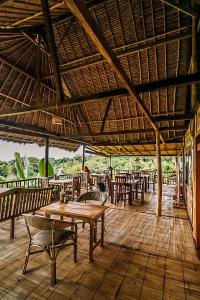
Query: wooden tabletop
75, 209
60, 181
128, 181
98, 175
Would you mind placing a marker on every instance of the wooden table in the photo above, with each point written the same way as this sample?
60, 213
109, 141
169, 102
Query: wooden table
132, 183
86, 212
60, 182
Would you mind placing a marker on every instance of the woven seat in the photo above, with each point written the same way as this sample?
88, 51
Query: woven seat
44, 237
52, 236
93, 195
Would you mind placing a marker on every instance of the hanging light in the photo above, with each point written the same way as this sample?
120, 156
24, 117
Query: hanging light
56, 120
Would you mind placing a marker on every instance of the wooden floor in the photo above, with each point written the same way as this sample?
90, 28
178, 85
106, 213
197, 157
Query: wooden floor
144, 257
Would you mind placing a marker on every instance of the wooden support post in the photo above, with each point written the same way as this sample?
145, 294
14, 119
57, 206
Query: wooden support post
194, 58
46, 161
83, 159
177, 182
110, 161
159, 171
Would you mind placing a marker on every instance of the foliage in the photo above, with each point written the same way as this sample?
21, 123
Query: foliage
19, 166
94, 163
4, 170
41, 168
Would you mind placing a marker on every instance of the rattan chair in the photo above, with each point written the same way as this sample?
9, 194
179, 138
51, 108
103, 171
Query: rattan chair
101, 197
51, 237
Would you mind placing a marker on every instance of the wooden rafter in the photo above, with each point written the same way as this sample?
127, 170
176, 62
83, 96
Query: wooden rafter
188, 11
141, 88
105, 115
79, 109
80, 11
52, 49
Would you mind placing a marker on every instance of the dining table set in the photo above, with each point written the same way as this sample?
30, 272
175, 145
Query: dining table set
131, 184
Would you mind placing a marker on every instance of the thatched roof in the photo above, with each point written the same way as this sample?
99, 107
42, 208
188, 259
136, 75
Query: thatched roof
152, 42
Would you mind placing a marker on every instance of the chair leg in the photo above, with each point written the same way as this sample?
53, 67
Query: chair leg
75, 250
26, 260
12, 228
53, 271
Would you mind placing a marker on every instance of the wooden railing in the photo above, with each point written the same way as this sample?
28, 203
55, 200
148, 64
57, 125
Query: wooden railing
22, 183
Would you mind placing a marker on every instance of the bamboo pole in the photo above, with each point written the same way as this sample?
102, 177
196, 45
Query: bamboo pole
159, 171
46, 162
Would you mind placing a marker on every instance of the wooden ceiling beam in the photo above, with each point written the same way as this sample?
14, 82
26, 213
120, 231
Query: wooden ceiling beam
105, 115
123, 132
79, 9
183, 117
52, 49
120, 92
23, 129
186, 10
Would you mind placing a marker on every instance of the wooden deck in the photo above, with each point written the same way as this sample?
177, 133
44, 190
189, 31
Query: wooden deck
145, 258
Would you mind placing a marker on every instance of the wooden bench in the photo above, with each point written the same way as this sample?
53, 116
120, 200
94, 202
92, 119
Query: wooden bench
15, 202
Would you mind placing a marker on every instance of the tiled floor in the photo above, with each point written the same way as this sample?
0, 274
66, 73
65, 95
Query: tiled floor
145, 258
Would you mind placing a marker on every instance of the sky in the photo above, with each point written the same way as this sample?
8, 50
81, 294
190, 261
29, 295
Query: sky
7, 150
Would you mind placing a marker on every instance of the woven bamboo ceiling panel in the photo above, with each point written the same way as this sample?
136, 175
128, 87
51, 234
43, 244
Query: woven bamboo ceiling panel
152, 43
140, 150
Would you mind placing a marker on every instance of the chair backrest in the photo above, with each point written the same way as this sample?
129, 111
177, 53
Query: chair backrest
120, 179
43, 223
93, 195
76, 184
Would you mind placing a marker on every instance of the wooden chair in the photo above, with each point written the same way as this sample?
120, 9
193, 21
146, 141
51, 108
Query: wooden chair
138, 190
152, 181
51, 237
121, 189
74, 190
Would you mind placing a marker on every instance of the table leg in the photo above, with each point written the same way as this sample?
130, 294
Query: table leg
91, 259
112, 192
136, 191
130, 195
145, 184
102, 229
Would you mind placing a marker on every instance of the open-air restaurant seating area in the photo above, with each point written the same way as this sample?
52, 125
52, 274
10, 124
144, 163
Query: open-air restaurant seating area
106, 228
